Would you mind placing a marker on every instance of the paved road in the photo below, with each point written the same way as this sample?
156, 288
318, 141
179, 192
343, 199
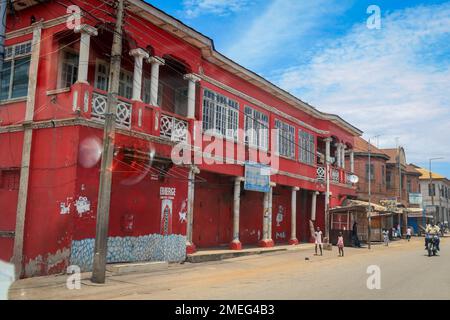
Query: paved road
406, 273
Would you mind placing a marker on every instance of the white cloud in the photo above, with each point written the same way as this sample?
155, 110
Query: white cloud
278, 30
394, 81
195, 8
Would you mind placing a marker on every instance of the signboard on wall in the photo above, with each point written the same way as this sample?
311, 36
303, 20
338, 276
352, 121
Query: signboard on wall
415, 198
257, 177
430, 209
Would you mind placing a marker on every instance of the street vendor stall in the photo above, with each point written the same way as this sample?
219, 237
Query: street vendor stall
343, 218
418, 219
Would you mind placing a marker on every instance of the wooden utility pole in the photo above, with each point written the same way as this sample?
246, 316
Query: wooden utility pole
104, 194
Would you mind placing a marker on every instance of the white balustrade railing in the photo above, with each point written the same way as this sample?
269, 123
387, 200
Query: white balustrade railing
321, 173
123, 112
335, 175
173, 128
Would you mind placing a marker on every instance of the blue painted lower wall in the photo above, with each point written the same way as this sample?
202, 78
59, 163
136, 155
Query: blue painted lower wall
153, 247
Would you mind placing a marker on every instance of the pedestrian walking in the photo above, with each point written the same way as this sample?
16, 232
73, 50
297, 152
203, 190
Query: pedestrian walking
386, 237
408, 233
318, 237
355, 235
340, 244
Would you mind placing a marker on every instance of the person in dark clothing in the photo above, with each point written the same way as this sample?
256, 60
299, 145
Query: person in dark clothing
356, 242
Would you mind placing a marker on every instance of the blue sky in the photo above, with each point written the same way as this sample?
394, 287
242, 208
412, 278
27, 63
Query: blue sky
393, 81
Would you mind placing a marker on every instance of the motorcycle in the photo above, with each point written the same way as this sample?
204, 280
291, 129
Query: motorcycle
432, 244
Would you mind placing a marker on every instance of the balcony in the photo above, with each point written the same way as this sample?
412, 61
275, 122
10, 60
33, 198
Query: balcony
173, 127
338, 175
123, 112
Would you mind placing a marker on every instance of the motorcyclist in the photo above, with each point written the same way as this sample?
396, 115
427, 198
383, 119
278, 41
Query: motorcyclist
432, 231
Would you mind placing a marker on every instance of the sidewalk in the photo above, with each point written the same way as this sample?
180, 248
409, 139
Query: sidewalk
216, 254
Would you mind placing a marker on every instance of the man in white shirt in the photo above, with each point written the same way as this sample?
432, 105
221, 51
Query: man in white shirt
318, 237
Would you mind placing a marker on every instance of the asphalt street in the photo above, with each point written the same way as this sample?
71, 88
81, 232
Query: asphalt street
405, 272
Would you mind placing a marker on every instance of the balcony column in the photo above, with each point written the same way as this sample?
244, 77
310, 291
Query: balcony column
139, 55
337, 154
267, 241
294, 239
155, 62
352, 161
236, 243
327, 150
343, 147
193, 79
86, 31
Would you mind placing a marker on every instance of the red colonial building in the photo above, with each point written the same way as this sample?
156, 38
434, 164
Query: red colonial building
174, 88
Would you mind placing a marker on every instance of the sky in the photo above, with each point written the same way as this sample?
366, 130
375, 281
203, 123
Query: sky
392, 82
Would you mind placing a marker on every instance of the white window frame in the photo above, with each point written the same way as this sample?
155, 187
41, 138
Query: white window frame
220, 114
256, 125
307, 147
61, 81
123, 85
285, 139
11, 54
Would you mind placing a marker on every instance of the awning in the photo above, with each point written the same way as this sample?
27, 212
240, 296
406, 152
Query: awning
359, 205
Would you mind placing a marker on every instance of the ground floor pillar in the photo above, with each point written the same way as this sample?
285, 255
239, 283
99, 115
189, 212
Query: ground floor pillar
294, 239
190, 246
266, 240
236, 243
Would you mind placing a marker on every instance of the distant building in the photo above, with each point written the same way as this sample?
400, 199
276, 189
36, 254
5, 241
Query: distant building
435, 196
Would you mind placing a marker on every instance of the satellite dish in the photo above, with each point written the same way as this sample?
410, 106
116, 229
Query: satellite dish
354, 178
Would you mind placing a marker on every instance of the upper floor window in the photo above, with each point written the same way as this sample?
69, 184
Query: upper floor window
14, 76
383, 174
409, 185
431, 189
220, 114
306, 147
69, 69
285, 139
102, 80
372, 174
256, 128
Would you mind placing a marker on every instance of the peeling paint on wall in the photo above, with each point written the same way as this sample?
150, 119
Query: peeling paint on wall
43, 263
153, 247
83, 205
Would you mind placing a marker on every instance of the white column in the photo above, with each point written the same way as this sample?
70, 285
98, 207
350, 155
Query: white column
313, 205
337, 154
86, 31
190, 209
155, 62
327, 150
343, 156
139, 55
193, 79
352, 161
294, 239
236, 243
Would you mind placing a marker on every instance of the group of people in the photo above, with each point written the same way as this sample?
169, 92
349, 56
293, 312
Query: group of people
431, 230
318, 242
